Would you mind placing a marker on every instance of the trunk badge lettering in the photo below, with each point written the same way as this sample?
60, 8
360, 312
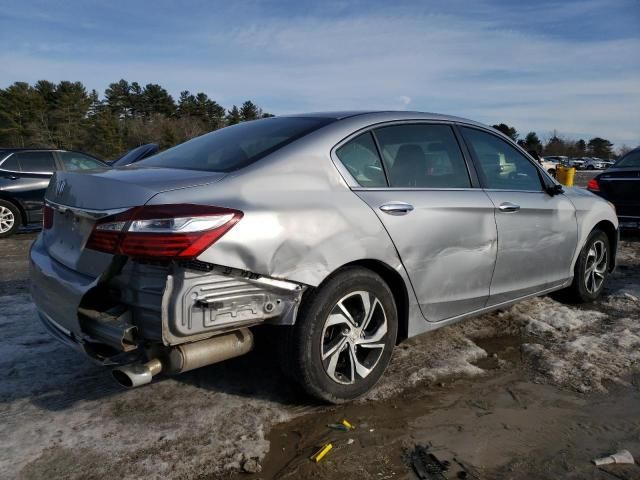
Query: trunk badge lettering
60, 188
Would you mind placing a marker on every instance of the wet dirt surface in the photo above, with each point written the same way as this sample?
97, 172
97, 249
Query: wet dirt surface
535, 391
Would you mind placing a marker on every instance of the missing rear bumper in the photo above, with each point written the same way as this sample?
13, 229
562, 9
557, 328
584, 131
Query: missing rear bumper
201, 299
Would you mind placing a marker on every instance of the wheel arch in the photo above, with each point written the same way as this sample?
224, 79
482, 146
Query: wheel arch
612, 234
396, 284
18, 205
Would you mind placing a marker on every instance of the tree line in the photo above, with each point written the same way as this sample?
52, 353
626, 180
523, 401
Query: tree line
559, 145
66, 115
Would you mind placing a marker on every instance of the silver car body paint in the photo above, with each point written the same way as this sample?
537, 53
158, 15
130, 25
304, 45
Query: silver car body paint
305, 217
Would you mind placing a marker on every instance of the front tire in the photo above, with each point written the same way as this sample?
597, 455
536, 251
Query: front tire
592, 269
344, 335
10, 218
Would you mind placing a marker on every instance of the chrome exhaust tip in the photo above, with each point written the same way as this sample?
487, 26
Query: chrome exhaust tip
136, 374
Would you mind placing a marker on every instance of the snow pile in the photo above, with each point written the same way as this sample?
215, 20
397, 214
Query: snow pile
585, 360
571, 346
564, 345
435, 355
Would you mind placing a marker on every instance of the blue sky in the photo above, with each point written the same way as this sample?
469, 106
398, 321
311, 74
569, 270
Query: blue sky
544, 65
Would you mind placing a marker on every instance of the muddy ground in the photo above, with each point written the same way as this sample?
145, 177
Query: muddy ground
535, 391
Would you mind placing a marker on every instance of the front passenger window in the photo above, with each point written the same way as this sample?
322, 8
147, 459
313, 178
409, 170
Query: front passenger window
501, 165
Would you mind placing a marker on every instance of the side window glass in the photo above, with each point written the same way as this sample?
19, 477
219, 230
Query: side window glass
422, 156
35, 161
361, 158
11, 164
78, 161
501, 165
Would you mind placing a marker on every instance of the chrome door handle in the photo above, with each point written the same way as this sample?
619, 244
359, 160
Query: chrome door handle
509, 207
396, 208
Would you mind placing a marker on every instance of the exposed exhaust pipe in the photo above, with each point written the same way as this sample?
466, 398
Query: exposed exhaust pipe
186, 357
136, 374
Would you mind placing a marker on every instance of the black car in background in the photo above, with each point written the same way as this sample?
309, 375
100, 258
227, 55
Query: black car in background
24, 176
620, 184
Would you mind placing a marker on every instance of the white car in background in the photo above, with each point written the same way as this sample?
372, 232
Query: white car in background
550, 164
595, 164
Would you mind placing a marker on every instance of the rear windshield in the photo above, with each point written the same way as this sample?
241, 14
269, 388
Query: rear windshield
631, 159
237, 146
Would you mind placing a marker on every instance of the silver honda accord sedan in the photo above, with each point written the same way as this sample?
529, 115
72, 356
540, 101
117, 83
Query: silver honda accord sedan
350, 231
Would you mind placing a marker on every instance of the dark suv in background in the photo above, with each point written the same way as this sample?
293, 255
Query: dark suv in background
24, 176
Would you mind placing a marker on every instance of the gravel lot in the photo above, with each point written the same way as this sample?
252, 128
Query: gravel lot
534, 391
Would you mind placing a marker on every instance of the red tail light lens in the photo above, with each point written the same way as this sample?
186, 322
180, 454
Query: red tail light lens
165, 231
47, 217
593, 185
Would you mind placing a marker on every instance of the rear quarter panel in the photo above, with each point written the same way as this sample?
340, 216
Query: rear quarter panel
301, 222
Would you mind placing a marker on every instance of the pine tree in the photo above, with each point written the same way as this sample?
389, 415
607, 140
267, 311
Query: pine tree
249, 111
233, 116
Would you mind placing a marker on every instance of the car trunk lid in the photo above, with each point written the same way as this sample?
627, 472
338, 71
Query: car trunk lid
621, 185
79, 199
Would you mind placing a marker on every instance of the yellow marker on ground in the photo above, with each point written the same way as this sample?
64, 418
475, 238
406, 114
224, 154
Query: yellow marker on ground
316, 457
347, 424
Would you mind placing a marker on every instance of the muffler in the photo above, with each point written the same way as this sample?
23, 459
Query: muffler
189, 356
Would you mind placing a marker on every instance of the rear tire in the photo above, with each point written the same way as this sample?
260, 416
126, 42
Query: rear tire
10, 218
343, 337
591, 270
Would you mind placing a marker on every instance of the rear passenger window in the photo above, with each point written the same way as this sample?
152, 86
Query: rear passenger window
422, 156
501, 165
78, 161
11, 164
35, 161
360, 157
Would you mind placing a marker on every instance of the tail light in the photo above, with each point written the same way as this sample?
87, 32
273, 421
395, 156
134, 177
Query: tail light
162, 231
47, 217
593, 185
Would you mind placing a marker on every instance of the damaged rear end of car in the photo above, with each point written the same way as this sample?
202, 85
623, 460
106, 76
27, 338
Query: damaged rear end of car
118, 272
125, 285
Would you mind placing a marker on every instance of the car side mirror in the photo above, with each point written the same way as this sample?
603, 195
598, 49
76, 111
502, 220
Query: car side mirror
555, 189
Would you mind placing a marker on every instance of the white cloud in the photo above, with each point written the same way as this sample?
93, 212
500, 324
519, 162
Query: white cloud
439, 62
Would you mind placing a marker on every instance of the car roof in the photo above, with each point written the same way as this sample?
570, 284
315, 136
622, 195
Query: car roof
412, 115
7, 150
41, 149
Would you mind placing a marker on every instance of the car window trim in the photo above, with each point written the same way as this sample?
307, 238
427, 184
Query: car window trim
2, 162
53, 157
354, 185
542, 175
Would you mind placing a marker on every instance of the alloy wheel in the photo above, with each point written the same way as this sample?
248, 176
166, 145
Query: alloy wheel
354, 337
595, 266
7, 219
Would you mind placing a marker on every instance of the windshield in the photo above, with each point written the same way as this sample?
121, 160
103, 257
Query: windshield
237, 146
631, 159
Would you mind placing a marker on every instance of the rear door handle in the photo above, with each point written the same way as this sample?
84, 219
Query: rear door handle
396, 208
509, 207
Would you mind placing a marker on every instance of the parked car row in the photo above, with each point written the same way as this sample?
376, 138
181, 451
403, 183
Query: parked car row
25, 174
550, 163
